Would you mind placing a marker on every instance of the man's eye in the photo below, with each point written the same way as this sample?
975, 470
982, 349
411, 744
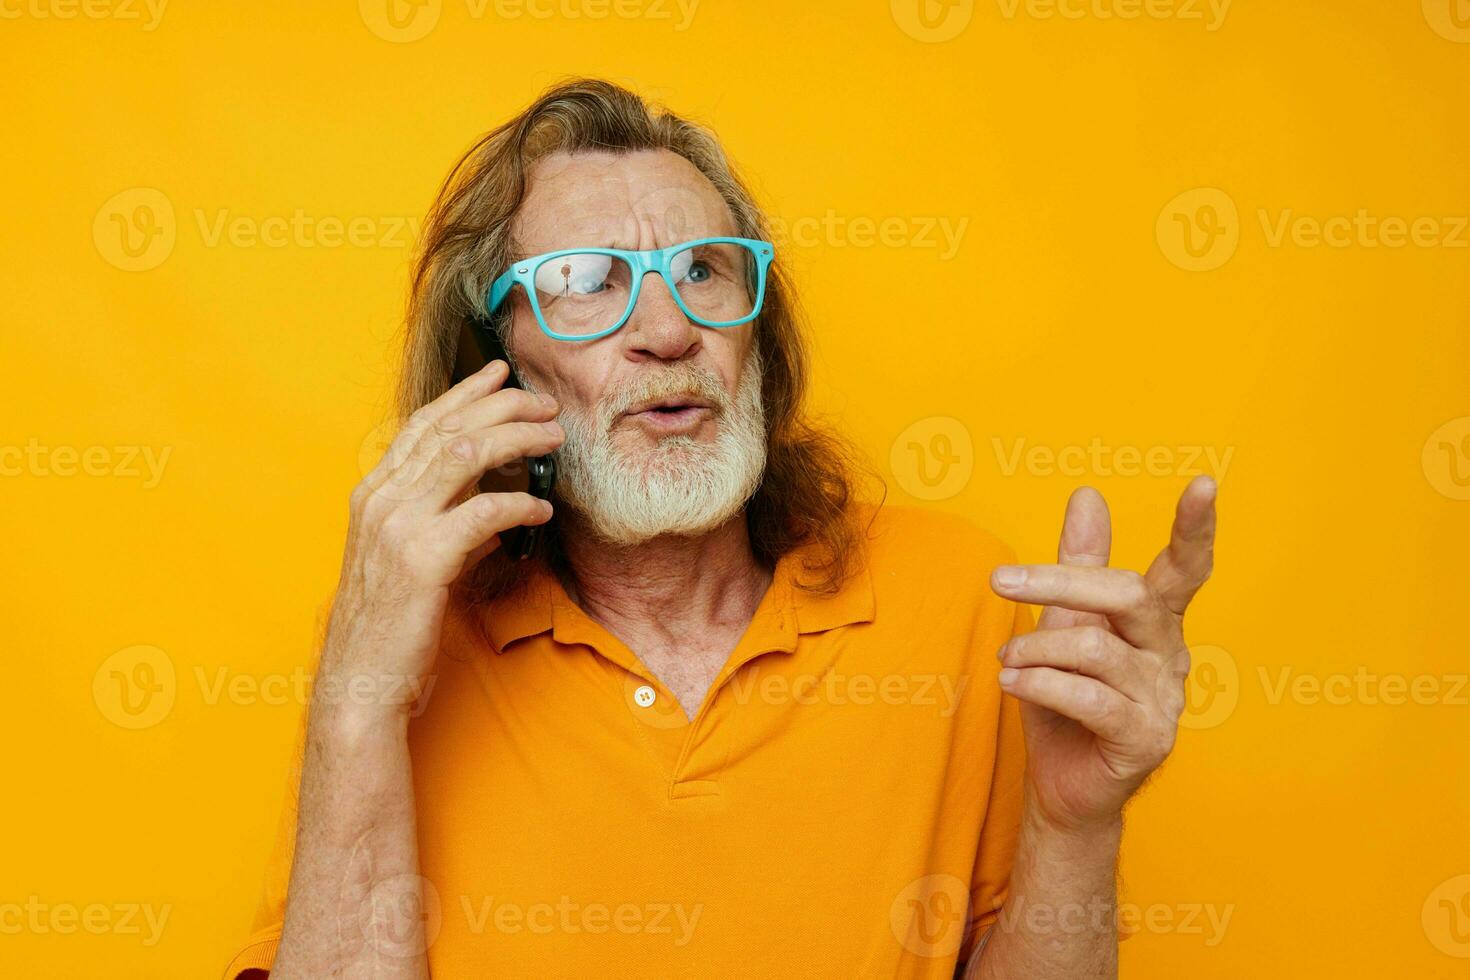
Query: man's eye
698, 272
587, 286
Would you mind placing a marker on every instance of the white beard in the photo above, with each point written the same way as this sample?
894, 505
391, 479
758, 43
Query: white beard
679, 486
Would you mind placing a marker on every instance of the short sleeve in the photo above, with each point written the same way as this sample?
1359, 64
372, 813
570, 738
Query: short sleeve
990, 879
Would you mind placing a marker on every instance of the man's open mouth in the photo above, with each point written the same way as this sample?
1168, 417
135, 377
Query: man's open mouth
672, 413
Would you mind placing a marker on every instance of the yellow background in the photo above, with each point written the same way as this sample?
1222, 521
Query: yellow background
1333, 834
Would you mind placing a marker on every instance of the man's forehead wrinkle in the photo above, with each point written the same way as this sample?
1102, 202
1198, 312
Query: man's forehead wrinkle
646, 199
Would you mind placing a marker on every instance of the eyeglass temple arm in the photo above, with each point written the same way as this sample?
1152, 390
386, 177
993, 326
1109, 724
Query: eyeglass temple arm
499, 290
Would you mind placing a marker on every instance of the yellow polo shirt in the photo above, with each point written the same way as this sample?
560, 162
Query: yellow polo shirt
850, 787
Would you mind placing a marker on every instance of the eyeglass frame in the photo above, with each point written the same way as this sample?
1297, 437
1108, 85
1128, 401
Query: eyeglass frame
641, 263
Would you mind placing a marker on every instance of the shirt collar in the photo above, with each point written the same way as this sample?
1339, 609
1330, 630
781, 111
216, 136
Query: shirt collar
541, 604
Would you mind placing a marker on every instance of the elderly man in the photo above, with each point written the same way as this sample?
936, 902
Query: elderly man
729, 719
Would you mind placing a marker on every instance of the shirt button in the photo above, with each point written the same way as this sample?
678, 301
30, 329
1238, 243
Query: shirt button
645, 696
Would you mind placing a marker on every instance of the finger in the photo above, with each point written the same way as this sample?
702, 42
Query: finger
1087, 539
1090, 650
1121, 595
423, 469
466, 457
1085, 700
504, 405
483, 382
500, 406
1185, 565
474, 527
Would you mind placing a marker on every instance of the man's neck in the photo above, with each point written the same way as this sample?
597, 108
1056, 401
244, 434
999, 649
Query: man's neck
670, 587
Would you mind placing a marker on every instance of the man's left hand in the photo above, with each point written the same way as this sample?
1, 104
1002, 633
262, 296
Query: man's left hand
1101, 678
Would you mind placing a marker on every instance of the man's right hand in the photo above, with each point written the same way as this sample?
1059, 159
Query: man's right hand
412, 533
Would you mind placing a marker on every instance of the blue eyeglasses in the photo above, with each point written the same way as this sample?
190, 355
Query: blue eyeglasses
585, 293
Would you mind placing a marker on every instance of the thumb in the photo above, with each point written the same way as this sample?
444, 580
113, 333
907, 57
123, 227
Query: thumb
1087, 539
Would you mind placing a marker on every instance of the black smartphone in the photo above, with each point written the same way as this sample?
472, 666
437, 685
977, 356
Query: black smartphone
478, 346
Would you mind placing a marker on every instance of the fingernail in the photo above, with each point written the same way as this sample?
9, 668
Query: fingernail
1008, 676
1001, 653
1210, 486
551, 427
1009, 576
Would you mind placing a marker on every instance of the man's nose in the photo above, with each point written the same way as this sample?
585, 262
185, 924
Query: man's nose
658, 328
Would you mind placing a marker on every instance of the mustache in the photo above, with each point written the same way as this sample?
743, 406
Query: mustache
687, 382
